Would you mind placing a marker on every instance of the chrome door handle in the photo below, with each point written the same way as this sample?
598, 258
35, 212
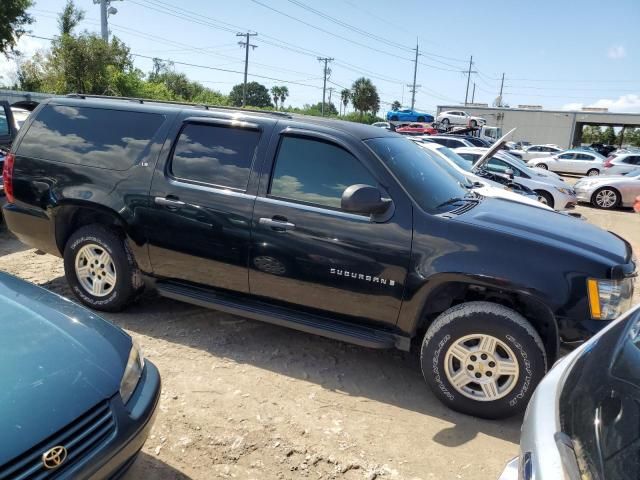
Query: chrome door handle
278, 225
168, 202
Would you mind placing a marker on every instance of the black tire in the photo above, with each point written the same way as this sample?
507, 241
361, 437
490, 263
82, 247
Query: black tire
128, 284
594, 172
445, 122
547, 197
543, 166
613, 198
394, 118
492, 320
420, 119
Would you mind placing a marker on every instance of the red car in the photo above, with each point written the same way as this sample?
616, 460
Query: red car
417, 129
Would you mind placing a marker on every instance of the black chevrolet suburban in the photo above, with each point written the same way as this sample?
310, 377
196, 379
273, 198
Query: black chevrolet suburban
334, 228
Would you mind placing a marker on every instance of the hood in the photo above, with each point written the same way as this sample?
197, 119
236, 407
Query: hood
491, 151
610, 180
58, 361
545, 176
551, 228
503, 193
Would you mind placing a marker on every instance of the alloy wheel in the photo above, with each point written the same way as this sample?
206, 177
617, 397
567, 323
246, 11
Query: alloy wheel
95, 270
481, 367
606, 198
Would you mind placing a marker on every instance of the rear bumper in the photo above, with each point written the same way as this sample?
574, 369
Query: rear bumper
32, 227
134, 422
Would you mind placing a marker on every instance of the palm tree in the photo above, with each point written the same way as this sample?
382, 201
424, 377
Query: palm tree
345, 95
364, 96
284, 93
275, 93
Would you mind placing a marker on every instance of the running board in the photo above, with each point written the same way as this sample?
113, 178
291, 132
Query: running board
285, 317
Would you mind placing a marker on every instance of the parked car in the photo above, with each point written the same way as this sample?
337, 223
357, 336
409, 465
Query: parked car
450, 141
458, 117
552, 189
581, 422
475, 141
538, 151
408, 115
620, 163
521, 145
571, 161
484, 186
333, 228
602, 149
78, 398
610, 191
416, 129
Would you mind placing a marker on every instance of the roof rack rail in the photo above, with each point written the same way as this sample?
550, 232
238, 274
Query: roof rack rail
173, 102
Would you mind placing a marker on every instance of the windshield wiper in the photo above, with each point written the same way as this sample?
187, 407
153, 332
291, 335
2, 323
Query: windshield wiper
472, 197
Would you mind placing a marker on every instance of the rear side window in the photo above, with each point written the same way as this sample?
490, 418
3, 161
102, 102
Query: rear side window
317, 172
95, 137
4, 122
584, 156
215, 154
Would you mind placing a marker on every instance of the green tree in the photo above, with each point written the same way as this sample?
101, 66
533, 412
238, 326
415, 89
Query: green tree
609, 136
257, 95
69, 19
364, 96
275, 93
395, 106
13, 20
284, 93
345, 96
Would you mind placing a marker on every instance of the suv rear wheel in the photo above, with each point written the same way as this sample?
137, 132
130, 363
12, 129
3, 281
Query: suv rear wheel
483, 359
100, 269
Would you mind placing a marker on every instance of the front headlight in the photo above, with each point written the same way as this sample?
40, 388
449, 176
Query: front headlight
132, 373
609, 298
566, 191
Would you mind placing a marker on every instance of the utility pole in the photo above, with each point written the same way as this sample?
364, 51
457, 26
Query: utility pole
105, 10
327, 72
415, 74
501, 87
473, 95
466, 95
246, 44
331, 89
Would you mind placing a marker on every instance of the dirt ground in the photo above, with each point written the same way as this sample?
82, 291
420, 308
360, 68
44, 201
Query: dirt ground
247, 400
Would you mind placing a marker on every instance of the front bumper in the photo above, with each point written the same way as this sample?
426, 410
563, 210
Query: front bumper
564, 201
134, 421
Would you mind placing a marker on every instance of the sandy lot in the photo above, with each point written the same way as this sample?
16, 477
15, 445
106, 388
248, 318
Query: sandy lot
242, 399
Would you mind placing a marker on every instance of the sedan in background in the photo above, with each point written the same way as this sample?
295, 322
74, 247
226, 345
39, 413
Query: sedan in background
610, 192
416, 129
386, 125
77, 397
581, 422
621, 163
458, 117
538, 151
449, 141
408, 115
572, 161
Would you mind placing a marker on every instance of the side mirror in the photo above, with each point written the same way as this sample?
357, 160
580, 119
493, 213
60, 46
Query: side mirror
509, 173
364, 199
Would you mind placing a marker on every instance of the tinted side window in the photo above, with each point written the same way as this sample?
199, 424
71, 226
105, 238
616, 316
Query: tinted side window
534, 149
495, 165
4, 123
217, 155
95, 137
317, 172
566, 156
584, 156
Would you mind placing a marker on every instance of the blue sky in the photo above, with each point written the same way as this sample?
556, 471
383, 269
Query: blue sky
554, 53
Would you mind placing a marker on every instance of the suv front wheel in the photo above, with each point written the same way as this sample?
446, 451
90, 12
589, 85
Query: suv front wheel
483, 359
100, 269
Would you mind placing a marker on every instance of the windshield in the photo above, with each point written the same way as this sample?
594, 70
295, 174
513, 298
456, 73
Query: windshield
455, 158
422, 173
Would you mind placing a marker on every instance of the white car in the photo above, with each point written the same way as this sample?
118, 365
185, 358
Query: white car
572, 161
551, 188
538, 151
449, 141
458, 117
621, 163
489, 188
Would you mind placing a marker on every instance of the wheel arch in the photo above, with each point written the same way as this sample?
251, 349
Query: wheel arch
71, 216
460, 290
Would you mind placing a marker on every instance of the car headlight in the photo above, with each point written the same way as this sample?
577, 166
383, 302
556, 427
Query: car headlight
566, 191
132, 373
609, 298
